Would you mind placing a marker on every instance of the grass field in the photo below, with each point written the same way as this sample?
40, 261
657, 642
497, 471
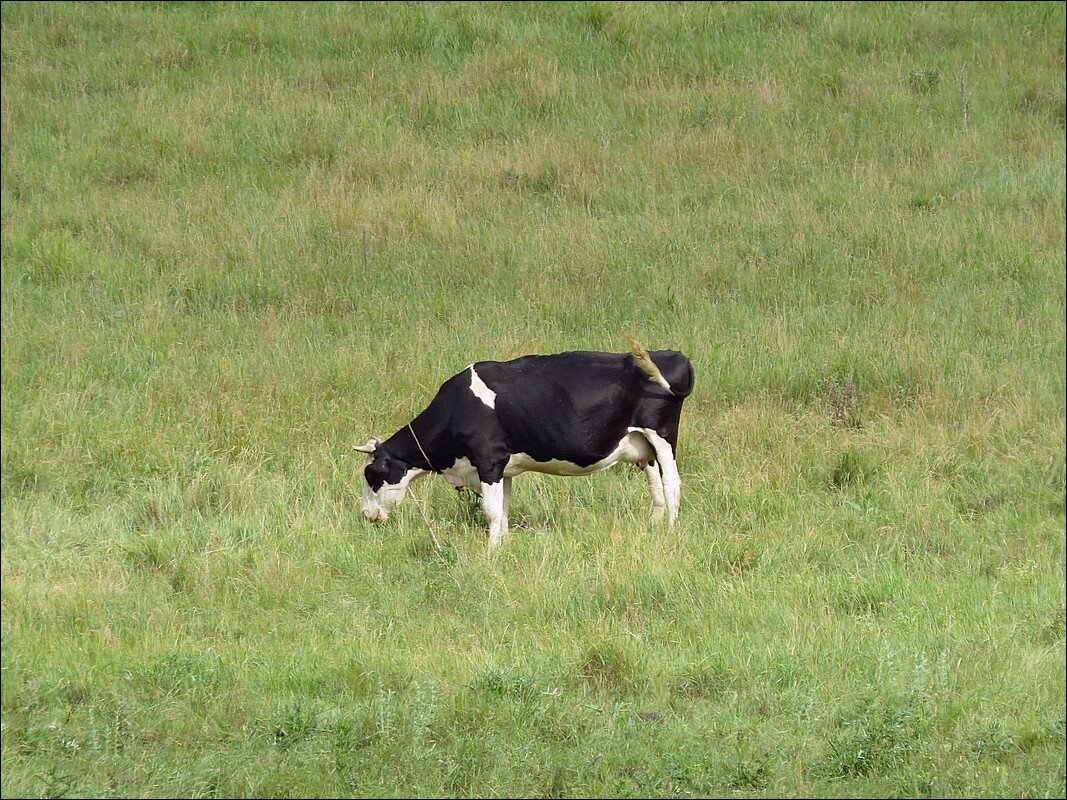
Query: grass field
238, 239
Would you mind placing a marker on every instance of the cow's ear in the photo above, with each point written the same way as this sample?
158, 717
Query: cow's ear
369, 447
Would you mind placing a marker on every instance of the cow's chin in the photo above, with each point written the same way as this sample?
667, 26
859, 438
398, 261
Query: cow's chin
378, 507
376, 514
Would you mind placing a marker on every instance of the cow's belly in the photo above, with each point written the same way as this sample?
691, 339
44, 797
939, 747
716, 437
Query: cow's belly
632, 448
462, 473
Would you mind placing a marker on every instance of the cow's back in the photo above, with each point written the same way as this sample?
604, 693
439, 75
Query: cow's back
572, 406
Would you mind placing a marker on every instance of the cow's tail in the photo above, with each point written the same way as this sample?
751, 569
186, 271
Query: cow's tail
647, 365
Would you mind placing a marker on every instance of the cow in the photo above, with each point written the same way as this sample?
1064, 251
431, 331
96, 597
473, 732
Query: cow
574, 413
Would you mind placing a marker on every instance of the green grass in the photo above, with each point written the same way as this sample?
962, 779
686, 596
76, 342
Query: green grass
238, 239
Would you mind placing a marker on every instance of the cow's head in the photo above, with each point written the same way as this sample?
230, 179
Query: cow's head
385, 479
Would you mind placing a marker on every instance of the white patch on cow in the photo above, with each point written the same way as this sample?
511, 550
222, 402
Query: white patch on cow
632, 449
481, 391
377, 506
462, 473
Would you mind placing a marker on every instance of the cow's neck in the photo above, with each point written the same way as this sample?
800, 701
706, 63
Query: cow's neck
421, 444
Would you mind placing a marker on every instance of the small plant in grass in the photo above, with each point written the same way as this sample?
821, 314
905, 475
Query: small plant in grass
880, 737
294, 724
844, 402
608, 669
504, 683
851, 468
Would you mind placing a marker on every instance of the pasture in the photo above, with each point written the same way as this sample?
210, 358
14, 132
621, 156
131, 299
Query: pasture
238, 239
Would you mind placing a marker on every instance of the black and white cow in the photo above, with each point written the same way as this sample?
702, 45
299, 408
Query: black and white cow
568, 414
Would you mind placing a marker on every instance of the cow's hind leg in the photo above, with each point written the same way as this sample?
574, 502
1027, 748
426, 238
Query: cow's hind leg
672, 483
655, 489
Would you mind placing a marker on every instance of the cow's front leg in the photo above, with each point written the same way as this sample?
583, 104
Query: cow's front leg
672, 483
494, 503
655, 489
491, 462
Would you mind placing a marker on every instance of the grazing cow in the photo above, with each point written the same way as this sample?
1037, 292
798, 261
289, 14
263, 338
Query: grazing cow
567, 414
